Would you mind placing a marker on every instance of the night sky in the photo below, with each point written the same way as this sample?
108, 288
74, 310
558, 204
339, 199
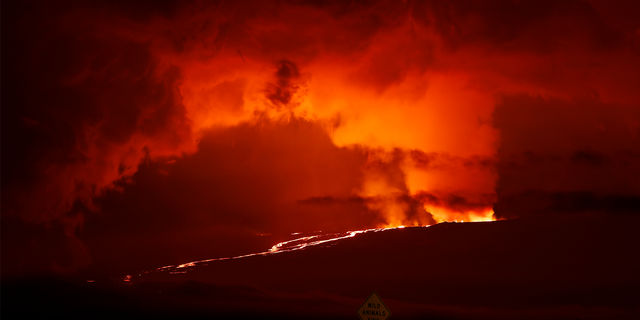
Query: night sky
137, 134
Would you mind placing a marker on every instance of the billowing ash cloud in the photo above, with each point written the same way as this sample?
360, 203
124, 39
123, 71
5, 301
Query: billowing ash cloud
281, 93
409, 112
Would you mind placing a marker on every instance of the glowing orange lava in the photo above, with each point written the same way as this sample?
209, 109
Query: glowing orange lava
285, 246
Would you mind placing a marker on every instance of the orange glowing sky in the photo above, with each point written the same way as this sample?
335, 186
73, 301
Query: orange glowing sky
196, 121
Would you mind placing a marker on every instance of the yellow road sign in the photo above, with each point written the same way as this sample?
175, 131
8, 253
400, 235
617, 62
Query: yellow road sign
374, 309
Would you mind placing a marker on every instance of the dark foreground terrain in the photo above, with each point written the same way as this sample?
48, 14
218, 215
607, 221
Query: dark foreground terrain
572, 268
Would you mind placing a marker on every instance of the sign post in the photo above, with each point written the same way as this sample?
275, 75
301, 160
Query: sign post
374, 309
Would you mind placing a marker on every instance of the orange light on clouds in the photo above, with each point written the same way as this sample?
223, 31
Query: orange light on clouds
433, 112
235, 118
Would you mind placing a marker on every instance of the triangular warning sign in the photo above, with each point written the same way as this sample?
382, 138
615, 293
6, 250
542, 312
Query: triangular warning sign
374, 309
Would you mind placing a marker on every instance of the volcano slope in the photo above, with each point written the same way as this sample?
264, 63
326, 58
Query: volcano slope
582, 267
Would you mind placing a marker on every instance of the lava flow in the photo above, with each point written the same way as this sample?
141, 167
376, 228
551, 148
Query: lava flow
284, 246
318, 238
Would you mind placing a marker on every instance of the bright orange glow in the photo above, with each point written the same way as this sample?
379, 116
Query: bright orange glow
439, 111
230, 119
444, 215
